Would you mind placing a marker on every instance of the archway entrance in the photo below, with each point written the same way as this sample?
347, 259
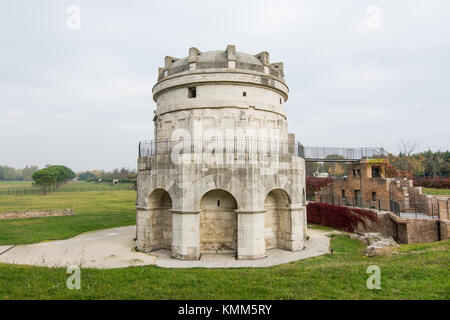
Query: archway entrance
276, 218
161, 219
218, 222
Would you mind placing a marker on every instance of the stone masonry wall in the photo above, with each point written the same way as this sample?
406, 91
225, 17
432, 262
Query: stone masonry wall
218, 223
36, 214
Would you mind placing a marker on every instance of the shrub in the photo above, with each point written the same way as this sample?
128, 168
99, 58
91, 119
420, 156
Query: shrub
434, 182
315, 184
338, 217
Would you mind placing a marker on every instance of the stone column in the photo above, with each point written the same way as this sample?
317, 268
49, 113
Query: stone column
144, 229
250, 243
295, 234
185, 234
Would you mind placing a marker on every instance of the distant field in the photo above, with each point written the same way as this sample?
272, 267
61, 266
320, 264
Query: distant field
441, 192
14, 184
26, 187
94, 210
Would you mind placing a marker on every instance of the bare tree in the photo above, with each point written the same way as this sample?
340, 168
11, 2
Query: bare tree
408, 147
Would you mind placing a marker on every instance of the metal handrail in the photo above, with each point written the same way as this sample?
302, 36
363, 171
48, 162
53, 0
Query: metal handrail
215, 145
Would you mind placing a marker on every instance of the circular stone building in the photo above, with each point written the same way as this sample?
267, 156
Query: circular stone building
222, 175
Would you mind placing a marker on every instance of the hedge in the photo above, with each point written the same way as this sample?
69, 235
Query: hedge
343, 218
435, 182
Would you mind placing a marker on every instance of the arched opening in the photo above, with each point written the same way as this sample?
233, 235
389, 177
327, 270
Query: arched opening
218, 222
160, 203
276, 218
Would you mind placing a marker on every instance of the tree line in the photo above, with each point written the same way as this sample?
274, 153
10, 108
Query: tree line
427, 163
11, 174
422, 164
122, 174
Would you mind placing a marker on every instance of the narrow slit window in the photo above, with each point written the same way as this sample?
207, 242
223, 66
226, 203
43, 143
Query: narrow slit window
244, 94
218, 203
192, 92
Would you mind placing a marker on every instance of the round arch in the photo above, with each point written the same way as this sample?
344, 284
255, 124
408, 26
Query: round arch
208, 183
276, 218
218, 222
160, 203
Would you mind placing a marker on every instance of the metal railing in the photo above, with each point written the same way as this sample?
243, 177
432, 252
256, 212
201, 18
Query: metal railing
220, 145
325, 154
413, 209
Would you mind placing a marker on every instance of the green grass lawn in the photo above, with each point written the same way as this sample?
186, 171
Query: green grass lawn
94, 210
431, 191
412, 272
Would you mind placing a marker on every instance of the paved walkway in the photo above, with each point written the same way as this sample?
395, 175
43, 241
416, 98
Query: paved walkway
112, 248
108, 248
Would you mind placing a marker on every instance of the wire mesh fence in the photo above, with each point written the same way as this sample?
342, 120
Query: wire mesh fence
342, 154
409, 209
66, 188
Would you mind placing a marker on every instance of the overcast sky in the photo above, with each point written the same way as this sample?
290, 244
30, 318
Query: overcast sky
360, 73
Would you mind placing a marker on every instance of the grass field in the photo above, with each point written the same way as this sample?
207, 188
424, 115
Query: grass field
431, 191
94, 210
413, 272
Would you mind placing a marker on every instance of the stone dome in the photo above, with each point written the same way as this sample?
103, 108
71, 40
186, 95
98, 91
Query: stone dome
220, 59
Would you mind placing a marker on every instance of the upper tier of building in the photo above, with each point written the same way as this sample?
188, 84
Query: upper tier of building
257, 69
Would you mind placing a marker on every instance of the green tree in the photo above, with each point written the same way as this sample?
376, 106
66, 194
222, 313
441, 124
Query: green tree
44, 178
87, 175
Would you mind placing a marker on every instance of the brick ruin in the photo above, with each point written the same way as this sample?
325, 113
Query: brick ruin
370, 183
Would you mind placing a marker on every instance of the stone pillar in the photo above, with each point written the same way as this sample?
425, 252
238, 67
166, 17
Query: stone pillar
143, 229
294, 236
443, 207
251, 243
185, 234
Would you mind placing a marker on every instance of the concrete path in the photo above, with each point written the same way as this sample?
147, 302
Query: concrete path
318, 244
113, 248
108, 248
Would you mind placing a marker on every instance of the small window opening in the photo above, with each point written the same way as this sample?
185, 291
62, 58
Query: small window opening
173, 61
374, 196
192, 92
281, 101
244, 94
375, 172
354, 173
359, 173
218, 203
343, 194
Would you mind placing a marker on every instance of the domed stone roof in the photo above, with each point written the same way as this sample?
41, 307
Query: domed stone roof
220, 59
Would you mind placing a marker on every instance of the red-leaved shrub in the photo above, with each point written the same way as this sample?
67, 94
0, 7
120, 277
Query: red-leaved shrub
338, 217
433, 182
314, 184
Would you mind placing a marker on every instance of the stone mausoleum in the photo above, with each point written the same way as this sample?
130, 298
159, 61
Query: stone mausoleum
222, 174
